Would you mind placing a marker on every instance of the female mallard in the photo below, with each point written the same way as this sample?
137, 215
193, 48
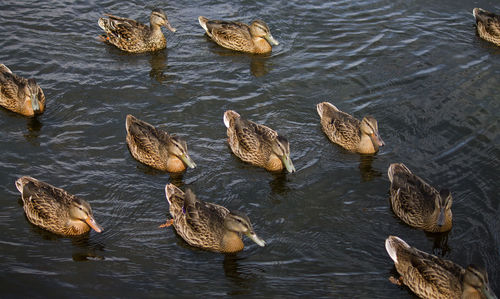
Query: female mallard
488, 25
429, 276
54, 209
257, 144
207, 225
20, 95
155, 147
348, 132
255, 38
132, 36
417, 203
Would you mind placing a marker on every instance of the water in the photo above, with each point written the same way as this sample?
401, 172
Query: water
417, 66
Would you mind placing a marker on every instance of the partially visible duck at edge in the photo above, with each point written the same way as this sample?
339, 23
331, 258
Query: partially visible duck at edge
488, 25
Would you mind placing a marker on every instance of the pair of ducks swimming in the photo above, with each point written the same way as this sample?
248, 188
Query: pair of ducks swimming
131, 36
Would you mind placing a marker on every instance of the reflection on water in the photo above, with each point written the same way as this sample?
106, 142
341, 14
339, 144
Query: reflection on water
237, 275
366, 170
258, 62
278, 183
33, 130
439, 243
158, 62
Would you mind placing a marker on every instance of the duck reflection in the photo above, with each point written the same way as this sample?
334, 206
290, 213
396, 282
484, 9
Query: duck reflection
258, 62
34, 126
237, 275
439, 243
366, 170
158, 62
278, 184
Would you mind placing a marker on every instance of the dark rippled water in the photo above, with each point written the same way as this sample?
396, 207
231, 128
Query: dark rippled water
417, 66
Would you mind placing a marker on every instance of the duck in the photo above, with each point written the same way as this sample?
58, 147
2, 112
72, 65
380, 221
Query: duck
54, 209
488, 25
155, 147
417, 203
429, 276
257, 144
256, 38
348, 132
134, 37
20, 95
207, 225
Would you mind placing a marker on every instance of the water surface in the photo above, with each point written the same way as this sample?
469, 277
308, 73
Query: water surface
417, 66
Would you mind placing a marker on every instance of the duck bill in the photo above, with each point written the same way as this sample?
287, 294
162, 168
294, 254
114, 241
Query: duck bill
169, 27
440, 220
377, 140
486, 290
271, 39
256, 239
288, 163
92, 223
187, 160
34, 103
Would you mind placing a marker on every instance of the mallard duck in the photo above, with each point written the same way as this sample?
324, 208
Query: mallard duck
417, 203
54, 209
23, 96
207, 225
255, 38
155, 147
257, 144
132, 36
429, 276
348, 132
488, 25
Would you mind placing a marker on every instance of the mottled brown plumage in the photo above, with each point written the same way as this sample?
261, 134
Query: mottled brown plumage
488, 25
348, 132
237, 36
417, 203
23, 96
429, 276
54, 209
155, 147
207, 225
257, 144
132, 36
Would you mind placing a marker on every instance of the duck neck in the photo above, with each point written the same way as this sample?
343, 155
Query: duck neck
274, 163
261, 45
76, 227
366, 145
175, 164
231, 242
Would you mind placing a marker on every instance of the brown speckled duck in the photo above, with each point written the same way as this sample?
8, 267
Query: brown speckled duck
134, 37
257, 144
54, 209
155, 147
237, 36
429, 276
348, 132
488, 25
207, 225
23, 96
417, 203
